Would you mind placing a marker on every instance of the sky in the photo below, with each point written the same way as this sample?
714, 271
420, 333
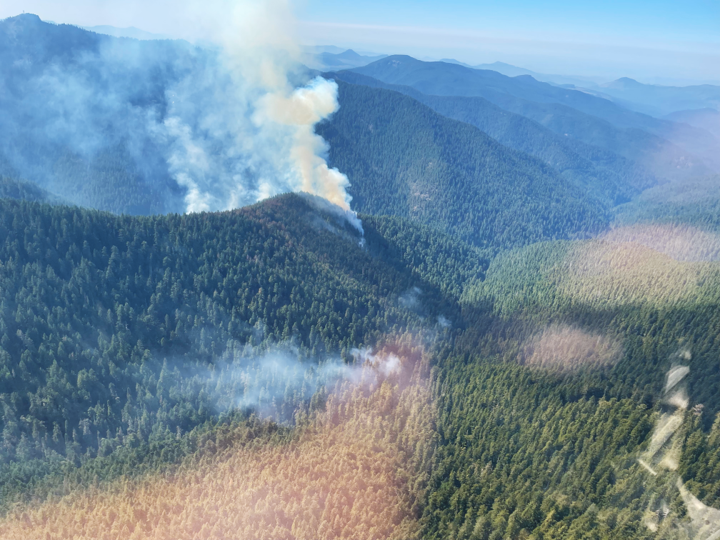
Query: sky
662, 41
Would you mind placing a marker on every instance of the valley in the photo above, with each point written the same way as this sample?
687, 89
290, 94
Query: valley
475, 342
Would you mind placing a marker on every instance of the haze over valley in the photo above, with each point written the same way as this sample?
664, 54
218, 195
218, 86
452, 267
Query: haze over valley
254, 285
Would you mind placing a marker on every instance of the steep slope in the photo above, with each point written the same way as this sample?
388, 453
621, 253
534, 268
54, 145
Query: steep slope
134, 315
76, 111
527, 418
601, 172
593, 120
404, 159
140, 364
11, 188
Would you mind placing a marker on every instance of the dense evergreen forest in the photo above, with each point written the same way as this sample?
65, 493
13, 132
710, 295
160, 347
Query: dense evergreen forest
543, 441
695, 202
136, 339
605, 174
404, 159
120, 323
518, 336
27, 191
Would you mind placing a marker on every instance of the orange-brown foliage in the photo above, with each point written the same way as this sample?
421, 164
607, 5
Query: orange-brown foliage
603, 273
565, 348
355, 470
679, 242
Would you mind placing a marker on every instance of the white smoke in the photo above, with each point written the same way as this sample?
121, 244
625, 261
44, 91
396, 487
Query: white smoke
384, 364
213, 126
239, 128
274, 381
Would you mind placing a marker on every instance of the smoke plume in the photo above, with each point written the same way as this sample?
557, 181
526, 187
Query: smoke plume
275, 382
267, 119
213, 126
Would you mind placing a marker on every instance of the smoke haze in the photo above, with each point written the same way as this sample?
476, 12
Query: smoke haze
275, 381
271, 127
194, 128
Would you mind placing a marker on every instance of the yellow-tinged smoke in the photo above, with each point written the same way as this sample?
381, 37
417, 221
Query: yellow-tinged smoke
303, 108
238, 146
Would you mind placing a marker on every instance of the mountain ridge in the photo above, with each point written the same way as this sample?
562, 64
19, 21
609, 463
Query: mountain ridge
537, 99
601, 172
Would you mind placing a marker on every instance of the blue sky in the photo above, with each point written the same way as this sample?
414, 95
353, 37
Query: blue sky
653, 41
647, 39
658, 19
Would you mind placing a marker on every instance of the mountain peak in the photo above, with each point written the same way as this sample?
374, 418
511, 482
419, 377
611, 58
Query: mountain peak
349, 54
624, 82
25, 18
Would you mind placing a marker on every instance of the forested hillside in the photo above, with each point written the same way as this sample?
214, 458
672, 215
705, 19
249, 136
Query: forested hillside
406, 160
560, 391
603, 173
18, 189
143, 344
695, 202
666, 148
116, 327
541, 412
356, 468
516, 338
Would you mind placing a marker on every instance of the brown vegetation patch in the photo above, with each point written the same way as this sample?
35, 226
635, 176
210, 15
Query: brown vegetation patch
565, 348
355, 470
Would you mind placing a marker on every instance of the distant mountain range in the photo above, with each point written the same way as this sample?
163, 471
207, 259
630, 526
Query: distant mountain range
652, 99
129, 32
661, 100
459, 136
667, 148
515, 71
328, 61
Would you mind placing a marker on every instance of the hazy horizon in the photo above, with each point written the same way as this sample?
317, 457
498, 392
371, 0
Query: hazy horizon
666, 46
250, 290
